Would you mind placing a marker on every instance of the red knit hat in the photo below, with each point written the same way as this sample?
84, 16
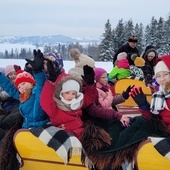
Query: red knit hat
165, 59
23, 76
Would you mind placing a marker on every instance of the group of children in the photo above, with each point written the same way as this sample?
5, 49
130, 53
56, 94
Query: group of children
136, 67
51, 95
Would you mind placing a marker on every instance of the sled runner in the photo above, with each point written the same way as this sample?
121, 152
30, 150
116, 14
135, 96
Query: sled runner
36, 155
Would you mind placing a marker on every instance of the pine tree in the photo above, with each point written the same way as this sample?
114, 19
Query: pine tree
119, 35
106, 45
153, 32
166, 46
129, 29
138, 31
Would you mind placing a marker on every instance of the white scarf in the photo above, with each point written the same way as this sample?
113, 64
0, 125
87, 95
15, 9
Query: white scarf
74, 103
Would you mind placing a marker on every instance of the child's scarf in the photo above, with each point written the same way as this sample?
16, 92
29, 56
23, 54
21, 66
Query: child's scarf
158, 101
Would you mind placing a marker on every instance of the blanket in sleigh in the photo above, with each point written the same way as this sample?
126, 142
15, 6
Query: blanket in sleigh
65, 144
162, 145
112, 144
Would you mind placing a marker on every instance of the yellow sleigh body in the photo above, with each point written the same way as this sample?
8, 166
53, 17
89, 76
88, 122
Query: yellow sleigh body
148, 158
129, 106
35, 155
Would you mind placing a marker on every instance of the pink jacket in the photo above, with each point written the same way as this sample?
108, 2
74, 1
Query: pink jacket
104, 98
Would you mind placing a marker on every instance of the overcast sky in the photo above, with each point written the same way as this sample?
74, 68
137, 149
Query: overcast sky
75, 18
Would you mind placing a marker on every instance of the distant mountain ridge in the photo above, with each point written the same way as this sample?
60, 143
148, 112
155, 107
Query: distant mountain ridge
45, 40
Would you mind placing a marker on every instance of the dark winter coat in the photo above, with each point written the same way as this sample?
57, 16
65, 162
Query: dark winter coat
149, 65
129, 50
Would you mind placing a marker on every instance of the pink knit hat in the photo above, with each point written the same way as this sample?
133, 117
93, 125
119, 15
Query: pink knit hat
9, 69
98, 73
121, 56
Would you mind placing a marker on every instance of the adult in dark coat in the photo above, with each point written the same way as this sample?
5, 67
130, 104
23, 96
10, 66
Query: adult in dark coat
130, 48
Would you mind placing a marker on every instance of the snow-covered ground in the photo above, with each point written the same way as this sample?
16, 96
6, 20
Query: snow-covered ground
67, 64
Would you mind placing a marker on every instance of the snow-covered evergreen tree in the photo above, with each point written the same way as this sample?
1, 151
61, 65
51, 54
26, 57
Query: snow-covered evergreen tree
166, 46
161, 36
153, 32
139, 34
129, 29
106, 45
119, 35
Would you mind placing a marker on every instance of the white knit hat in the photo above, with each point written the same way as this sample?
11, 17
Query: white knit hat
161, 66
121, 56
70, 85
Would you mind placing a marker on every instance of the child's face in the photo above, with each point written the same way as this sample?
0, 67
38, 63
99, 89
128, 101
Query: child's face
162, 78
24, 86
103, 79
69, 95
12, 76
150, 58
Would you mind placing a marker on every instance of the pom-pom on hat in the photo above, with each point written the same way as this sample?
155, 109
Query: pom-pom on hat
23, 76
163, 64
121, 56
98, 73
133, 39
139, 62
9, 69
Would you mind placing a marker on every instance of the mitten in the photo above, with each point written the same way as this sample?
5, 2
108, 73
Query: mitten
88, 75
125, 94
140, 98
53, 70
38, 62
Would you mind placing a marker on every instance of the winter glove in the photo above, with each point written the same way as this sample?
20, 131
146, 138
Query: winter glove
125, 94
140, 98
53, 70
88, 75
38, 61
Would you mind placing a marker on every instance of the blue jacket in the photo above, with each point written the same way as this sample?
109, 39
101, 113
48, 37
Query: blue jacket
31, 110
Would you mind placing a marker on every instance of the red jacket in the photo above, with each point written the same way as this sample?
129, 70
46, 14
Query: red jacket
164, 114
68, 120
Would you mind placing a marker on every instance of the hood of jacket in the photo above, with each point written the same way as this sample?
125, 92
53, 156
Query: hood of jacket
62, 78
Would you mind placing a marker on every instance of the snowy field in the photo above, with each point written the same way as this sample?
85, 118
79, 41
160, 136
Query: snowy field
67, 64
